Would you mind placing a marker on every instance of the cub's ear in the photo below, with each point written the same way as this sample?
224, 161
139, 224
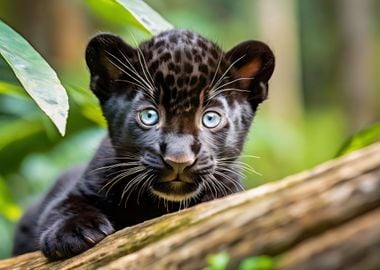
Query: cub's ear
254, 64
106, 57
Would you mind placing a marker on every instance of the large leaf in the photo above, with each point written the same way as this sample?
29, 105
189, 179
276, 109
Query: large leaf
135, 12
36, 76
363, 138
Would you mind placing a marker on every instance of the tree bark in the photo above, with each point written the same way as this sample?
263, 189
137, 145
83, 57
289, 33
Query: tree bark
325, 218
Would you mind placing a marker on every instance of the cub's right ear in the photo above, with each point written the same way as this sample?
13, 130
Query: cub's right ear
106, 57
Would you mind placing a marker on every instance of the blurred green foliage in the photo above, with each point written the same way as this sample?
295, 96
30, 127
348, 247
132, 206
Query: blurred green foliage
32, 153
258, 263
217, 261
221, 260
361, 139
7, 207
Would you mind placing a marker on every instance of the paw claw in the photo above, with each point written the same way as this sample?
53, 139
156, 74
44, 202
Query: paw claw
89, 239
104, 232
69, 237
59, 254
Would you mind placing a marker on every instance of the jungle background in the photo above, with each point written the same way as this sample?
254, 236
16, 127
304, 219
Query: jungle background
325, 87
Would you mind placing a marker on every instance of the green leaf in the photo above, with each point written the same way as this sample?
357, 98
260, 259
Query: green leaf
362, 139
258, 263
135, 12
36, 76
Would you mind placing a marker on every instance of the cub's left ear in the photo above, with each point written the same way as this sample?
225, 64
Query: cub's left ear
254, 64
106, 57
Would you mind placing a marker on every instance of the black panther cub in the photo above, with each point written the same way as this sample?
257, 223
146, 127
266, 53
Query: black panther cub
178, 110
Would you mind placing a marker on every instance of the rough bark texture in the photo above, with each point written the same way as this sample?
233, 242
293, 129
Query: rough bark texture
325, 218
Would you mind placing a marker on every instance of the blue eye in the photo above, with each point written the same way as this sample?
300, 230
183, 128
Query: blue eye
149, 117
211, 119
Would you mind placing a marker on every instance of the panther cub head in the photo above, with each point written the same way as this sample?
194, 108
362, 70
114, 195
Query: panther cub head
179, 108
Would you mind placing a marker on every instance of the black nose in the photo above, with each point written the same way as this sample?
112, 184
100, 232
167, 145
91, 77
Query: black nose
179, 164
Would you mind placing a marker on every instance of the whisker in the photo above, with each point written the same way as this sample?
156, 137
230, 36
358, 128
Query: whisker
133, 158
145, 91
141, 82
216, 71
236, 184
220, 185
136, 84
226, 72
122, 69
216, 93
209, 182
150, 87
131, 186
121, 176
116, 165
224, 168
234, 157
144, 185
230, 82
146, 68
238, 165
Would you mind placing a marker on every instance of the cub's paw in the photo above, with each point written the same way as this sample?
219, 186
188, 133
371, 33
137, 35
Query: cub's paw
68, 237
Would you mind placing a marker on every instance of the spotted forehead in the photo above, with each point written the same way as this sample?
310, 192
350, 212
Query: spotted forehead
182, 64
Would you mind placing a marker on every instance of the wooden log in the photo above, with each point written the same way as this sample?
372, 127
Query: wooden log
325, 218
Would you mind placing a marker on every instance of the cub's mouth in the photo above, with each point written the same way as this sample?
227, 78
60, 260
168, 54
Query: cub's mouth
175, 190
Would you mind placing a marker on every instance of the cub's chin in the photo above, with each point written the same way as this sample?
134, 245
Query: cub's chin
176, 190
